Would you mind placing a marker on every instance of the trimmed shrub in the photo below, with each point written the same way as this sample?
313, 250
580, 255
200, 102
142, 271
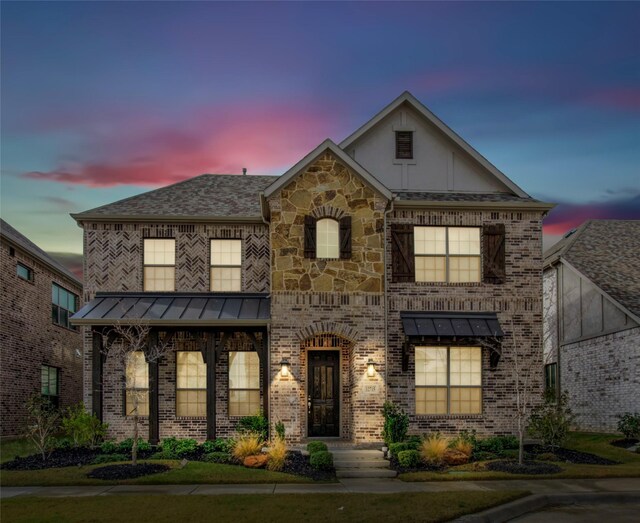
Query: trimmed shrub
255, 425
64, 444
217, 445
316, 446
629, 425
108, 447
396, 448
217, 457
277, 453
396, 423
408, 459
433, 449
551, 421
83, 427
174, 448
126, 444
321, 460
109, 458
482, 455
246, 445
496, 444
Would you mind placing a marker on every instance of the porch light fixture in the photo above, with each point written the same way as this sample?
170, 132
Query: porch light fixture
371, 368
284, 368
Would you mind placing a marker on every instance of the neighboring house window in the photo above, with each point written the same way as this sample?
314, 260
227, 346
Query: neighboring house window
159, 265
137, 385
50, 384
447, 254
244, 384
550, 379
191, 385
404, 145
226, 265
327, 238
448, 380
24, 272
63, 305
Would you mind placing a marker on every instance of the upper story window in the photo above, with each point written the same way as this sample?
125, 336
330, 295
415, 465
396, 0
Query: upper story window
447, 254
50, 384
137, 385
404, 145
226, 265
327, 238
63, 305
159, 265
24, 272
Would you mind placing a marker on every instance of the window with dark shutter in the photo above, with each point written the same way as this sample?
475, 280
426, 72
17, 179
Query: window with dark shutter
345, 237
494, 270
309, 237
402, 260
404, 145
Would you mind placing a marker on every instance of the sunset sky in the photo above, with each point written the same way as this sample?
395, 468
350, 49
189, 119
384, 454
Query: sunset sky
101, 101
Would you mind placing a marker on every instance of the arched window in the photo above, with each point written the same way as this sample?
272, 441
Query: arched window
328, 238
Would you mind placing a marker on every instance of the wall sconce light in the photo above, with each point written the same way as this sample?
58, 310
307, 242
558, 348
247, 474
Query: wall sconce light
371, 368
284, 368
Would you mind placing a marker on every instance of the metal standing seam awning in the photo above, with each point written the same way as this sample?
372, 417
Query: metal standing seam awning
454, 325
176, 309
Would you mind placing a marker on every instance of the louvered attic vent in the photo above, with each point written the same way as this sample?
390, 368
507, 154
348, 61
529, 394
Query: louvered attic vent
404, 145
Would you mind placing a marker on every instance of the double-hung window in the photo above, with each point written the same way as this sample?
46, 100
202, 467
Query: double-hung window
244, 384
137, 385
448, 380
50, 384
159, 265
226, 265
63, 305
447, 254
191, 384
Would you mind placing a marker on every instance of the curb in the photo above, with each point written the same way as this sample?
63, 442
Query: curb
536, 502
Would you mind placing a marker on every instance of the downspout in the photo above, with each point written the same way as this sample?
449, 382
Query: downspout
267, 386
386, 307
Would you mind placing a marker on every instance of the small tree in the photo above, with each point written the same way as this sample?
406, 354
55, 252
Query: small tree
552, 420
83, 427
42, 423
396, 423
122, 344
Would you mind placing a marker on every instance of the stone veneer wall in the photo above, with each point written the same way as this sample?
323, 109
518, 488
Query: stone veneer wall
602, 378
29, 339
517, 302
311, 297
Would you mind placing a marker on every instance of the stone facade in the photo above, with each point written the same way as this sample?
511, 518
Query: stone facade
29, 338
602, 378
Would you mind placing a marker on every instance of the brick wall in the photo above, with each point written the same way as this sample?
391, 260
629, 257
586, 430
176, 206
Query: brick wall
29, 339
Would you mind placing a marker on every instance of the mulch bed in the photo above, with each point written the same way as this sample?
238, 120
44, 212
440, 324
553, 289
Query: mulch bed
57, 458
624, 443
527, 467
296, 463
571, 456
118, 472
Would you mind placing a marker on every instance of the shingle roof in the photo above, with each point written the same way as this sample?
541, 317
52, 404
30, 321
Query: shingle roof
608, 253
462, 197
207, 195
26, 244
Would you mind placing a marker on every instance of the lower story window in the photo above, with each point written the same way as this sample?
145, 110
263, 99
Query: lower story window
448, 380
244, 384
137, 388
191, 385
550, 379
50, 384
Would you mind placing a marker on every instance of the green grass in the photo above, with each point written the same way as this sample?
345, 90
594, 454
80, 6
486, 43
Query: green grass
593, 443
352, 508
193, 473
10, 448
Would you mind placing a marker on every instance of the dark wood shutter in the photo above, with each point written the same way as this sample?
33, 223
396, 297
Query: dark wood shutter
402, 259
309, 237
404, 145
345, 237
494, 253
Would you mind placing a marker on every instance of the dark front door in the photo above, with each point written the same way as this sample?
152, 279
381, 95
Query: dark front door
324, 395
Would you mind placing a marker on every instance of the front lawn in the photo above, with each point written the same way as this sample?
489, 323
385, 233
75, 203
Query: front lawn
593, 443
405, 508
195, 472
10, 448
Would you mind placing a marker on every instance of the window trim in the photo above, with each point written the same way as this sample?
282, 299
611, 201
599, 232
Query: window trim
126, 389
57, 394
448, 385
30, 275
447, 256
211, 265
145, 265
229, 389
337, 222
206, 392
69, 313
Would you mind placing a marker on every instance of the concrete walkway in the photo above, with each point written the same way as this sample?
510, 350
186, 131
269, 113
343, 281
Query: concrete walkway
344, 486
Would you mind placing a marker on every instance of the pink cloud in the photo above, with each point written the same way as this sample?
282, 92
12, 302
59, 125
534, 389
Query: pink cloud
616, 97
213, 140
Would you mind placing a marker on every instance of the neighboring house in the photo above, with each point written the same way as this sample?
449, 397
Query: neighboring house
41, 352
592, 321
399, 264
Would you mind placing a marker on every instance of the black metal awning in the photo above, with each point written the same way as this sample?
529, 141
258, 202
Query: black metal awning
455, 326
176, 309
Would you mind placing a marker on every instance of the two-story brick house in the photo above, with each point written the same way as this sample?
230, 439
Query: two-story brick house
40, 351
399, 264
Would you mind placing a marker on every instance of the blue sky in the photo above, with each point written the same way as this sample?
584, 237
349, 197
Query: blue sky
104, 100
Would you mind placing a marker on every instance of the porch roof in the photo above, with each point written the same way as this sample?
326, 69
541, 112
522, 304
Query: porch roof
452, 324
176, 309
